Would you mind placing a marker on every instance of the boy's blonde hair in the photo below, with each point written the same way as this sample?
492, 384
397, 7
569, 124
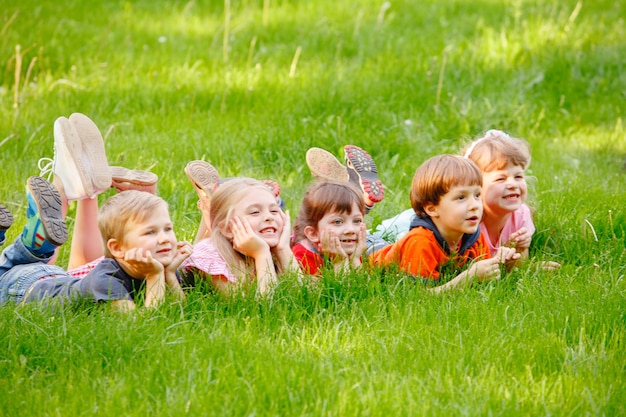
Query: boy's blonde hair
322, 198
223, 203
435, 177
123, 208
496, 150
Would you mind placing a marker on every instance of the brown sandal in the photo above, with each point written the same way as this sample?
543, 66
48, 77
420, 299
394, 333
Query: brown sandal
203, 176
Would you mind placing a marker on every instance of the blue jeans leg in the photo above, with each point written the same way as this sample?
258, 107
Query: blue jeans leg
19, 269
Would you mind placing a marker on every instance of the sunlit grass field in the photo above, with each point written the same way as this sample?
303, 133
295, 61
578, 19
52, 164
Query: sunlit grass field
249, 86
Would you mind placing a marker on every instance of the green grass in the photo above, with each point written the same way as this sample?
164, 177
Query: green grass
168, 82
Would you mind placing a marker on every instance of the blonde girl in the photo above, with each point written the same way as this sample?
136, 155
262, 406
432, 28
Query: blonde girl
507, 219
330, 227
249, 238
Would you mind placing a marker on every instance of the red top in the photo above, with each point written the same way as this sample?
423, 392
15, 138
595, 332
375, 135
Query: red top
310, 262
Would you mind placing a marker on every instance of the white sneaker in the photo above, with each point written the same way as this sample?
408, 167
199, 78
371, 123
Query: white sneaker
68, 162
94, 155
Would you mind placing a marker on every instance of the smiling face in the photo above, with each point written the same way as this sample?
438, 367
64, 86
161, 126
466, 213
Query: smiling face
504, 190
458, 212
260, 209
344, 226
155, 233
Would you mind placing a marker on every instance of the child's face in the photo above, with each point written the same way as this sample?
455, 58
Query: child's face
263, 213
458, 212
504, 190
344, 226
155, 234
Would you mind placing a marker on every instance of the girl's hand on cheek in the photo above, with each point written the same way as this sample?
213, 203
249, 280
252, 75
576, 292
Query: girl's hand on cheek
284, 242
331, 246
245, 240
361, 243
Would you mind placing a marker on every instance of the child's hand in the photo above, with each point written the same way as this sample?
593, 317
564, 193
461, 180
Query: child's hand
549, 265
245, 240
361, 245
139, 263
489, 269
183, 251
504, 255
330, 245
486, 270
520, 240
284, 242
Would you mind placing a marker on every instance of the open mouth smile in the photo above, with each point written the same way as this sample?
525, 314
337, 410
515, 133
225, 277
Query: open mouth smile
268, 231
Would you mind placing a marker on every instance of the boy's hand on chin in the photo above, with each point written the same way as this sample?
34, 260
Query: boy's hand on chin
139, 263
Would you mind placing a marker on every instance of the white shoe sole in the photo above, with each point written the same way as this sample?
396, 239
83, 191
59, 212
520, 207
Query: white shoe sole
68, 161
94, 153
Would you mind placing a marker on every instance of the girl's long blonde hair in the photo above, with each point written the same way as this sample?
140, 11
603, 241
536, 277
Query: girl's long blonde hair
223, 203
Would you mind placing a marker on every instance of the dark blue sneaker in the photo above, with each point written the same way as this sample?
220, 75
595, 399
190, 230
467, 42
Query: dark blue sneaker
6, 220
45, 228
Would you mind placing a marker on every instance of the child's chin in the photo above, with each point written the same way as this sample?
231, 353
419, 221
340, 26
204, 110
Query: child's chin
272, 242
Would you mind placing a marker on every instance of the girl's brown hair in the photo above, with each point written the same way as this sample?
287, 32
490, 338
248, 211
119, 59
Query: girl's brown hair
324, 197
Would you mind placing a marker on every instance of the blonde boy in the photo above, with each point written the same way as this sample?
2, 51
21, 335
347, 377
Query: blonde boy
141, 252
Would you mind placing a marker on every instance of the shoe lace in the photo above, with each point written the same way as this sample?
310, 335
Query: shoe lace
46, 168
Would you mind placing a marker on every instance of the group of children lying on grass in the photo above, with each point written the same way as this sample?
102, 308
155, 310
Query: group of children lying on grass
469, 218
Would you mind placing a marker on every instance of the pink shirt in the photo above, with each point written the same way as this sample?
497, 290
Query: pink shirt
519, 218
83, 270
207, 259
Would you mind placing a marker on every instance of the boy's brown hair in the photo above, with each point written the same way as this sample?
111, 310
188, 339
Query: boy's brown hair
123, 208
435, 177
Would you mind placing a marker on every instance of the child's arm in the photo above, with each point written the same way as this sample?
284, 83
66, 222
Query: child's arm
204, 230
184, 250
481, 271
248, 243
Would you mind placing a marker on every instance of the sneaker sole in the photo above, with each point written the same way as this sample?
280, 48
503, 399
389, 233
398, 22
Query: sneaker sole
6, 218
203, 176
48, 201
324, 166
363, 171
66, 137
136, 177
93, 150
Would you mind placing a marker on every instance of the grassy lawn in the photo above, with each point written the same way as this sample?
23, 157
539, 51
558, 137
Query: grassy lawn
250, 86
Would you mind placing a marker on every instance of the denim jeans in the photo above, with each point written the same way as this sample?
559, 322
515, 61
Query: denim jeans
19, 269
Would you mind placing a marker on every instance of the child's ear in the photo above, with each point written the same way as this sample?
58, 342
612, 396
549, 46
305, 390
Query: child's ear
311, 233
431, 209
115, 247
225, 229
